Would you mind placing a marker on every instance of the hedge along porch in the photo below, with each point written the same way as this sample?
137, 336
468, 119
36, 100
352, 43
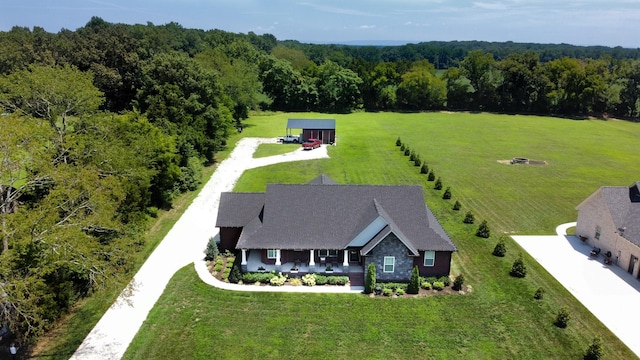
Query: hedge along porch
322, 129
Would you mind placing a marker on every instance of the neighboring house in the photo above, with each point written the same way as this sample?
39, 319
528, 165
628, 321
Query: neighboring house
322, 129
610, 220
309, 227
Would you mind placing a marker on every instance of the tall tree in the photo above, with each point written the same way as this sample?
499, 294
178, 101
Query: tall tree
338, 88
420, 89
480, 68
523, 83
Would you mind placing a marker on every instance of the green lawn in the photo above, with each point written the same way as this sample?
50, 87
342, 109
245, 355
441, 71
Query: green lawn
265, 150
499, 319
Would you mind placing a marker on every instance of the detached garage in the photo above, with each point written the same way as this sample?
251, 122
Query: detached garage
322, 129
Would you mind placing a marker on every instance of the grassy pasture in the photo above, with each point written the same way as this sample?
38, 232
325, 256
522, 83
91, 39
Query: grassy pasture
499, 319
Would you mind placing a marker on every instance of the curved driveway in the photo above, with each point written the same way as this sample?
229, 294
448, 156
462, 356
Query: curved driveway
609, 292
184, 244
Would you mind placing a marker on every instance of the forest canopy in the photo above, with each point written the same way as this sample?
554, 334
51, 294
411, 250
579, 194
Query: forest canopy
102, 126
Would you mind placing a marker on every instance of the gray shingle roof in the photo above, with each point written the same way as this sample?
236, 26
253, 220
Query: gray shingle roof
315, 124
624, 206
322, 180
328, 217
238, 209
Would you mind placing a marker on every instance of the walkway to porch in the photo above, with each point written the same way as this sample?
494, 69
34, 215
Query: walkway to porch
254, 262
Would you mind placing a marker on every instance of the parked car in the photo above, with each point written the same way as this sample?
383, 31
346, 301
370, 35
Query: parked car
311, 144
289, 139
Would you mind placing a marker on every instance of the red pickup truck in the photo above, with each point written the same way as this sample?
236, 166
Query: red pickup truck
311, 144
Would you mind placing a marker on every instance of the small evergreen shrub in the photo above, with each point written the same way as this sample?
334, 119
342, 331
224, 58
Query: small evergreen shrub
447, 193
370, 279
594, 351
438, 285
417, 161
394, 286
457, 205
458, 282
446, 280
562, 320
518, 269
212, 252
483, 230
407, 151
400, 292
235, 273
424, 169
309, 279
469, 218
387, 292
539, 293
402, 147
426, 285
431, 176
412, 155
257, 277
398, 142
414, 283
431, 279
438, 185
500, 250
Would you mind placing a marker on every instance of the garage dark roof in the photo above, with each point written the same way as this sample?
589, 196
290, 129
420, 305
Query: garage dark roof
238, 209
315, 124
309, 216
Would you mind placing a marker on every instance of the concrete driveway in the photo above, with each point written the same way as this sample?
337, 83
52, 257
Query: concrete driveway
608, 291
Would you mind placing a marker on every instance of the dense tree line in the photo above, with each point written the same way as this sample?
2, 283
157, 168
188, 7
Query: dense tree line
103, 125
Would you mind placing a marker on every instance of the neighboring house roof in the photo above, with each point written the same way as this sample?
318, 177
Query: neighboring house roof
309, 216
239, 208
623, 204
316, 124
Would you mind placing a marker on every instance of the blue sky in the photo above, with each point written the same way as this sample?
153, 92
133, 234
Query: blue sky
579, 22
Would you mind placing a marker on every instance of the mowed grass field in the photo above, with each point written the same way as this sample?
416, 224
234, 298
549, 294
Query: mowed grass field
499, 319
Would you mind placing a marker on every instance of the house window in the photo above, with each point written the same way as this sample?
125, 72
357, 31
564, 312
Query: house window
429, 258
389, 264
598, 232
328, 253
272, 253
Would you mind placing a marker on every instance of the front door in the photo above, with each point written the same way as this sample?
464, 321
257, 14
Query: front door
354, 256
632, 264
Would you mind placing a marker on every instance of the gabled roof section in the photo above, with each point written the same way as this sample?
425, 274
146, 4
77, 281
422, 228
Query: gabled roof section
322, 180
390, 228
316, 124
238, 209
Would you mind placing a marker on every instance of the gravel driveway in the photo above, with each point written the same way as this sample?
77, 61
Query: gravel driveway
184, 244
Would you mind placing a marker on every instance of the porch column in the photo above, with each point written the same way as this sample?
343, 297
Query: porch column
345, 262
244, 257
278, 262
312, 258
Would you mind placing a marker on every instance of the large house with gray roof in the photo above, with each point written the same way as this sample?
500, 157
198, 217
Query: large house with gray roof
609, 219
322, 226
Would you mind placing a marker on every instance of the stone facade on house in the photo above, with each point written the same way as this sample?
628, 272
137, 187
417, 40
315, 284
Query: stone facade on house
403, 261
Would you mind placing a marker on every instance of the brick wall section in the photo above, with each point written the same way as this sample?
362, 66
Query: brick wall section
594, 213
391, 246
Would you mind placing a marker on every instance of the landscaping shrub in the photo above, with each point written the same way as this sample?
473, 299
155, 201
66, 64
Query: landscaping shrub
309, 279
446, 280
501, 248
254, 277
539, 294
278, 280
394, 286
398, 142
412, 155
426, 285
447, 193
438, 285
469, 218
235, 274
217, 267
337, 280
457, 205
431, 176
438, 185
417, 161
424, 169
212, 252
295, 282
414, 283
594, 351
518, 269
407, 151
322, 279
483, 230
400, 292
431, 279
458, 282
562, 320
370, 279
387, 292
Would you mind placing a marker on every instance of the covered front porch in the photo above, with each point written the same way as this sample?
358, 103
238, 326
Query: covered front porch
253, 261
